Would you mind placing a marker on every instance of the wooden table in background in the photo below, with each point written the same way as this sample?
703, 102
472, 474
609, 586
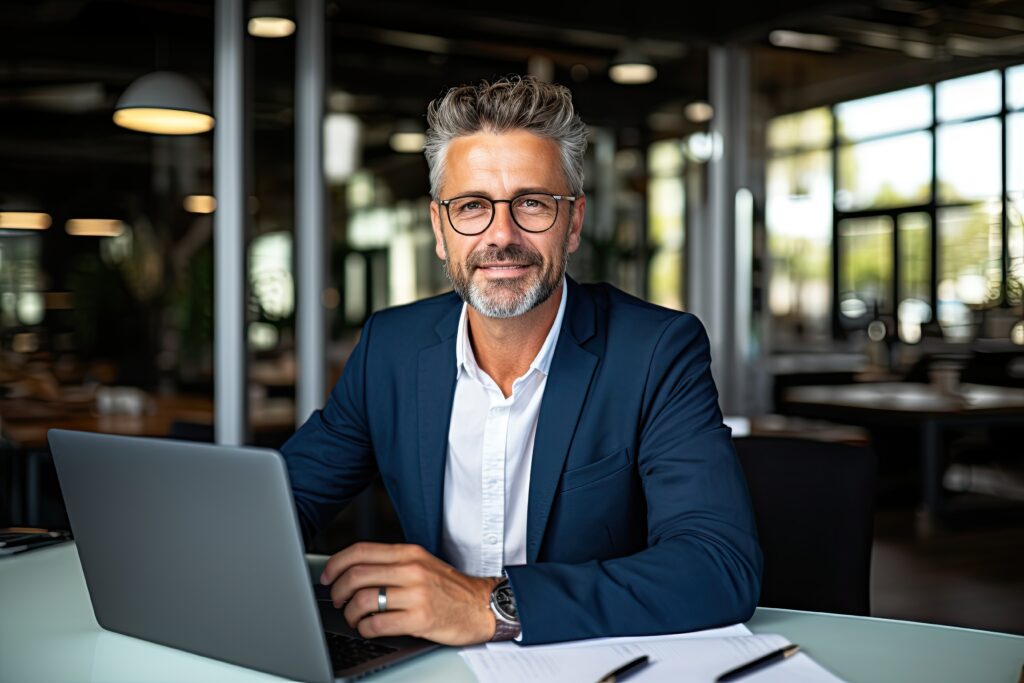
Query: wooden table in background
25, 423
923, 407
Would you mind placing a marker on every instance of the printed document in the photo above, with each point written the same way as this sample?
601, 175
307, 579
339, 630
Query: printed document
685, 657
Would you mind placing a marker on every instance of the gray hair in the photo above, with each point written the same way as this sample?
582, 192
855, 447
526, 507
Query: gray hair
507, 104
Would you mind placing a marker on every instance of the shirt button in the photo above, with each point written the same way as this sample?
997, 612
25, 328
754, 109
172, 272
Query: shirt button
492, 539
492, 482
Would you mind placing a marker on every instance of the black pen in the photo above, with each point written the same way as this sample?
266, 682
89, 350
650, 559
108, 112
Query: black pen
759, 663
624, 670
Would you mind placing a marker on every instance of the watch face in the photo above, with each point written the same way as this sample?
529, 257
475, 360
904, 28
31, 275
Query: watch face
506, 602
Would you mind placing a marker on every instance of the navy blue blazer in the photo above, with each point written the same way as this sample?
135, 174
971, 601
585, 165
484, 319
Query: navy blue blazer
638, 520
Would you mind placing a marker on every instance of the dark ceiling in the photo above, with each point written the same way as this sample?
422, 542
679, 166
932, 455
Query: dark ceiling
63, 63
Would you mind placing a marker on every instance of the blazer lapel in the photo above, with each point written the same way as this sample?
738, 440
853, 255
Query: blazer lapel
435, 394
571, 370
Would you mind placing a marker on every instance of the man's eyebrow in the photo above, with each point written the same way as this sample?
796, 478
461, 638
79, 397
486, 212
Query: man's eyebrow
515, 193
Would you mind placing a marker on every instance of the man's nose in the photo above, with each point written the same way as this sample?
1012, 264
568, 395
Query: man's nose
503, 229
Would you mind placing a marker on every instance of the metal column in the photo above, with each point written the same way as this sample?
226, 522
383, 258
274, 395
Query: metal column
310, 208
230, 390
717, 298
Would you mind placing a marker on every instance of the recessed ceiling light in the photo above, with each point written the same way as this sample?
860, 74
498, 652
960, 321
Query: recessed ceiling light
271, 27
200, 203
815, 42
94, 227
407, 142
24, 220
699, 111
271, 19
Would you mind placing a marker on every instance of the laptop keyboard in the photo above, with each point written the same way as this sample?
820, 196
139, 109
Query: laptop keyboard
347, 652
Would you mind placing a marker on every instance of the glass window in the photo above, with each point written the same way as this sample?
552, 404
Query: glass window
1015, 243
915, 248
970, 162
970, 255
20, 280
799, 220
805, 129
893, 112
1014, 157
1015, 197
665, 208
885, 173
1015, 87
865, 266
969, 97
915, 255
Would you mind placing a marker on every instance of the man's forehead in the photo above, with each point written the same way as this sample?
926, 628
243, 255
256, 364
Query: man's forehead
518, 157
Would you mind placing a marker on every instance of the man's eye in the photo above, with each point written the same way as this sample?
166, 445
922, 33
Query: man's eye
470, 206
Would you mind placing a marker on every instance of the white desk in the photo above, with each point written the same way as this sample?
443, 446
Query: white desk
48, 634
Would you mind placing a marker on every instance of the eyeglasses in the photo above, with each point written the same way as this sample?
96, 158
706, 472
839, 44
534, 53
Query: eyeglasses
532, 212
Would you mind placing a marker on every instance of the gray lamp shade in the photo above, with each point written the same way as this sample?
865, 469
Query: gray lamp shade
631, 66
164, 102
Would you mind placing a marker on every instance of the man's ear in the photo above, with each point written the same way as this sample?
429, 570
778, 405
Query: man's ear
435, 224
579, 208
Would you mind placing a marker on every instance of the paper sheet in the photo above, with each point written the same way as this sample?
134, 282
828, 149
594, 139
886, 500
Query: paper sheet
725, 631
673, 659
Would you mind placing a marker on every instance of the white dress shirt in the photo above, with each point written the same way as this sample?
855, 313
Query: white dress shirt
490, 450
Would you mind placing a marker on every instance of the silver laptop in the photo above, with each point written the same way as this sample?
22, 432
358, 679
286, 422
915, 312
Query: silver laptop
198, 547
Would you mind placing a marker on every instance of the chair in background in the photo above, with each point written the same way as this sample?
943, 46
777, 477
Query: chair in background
814, 503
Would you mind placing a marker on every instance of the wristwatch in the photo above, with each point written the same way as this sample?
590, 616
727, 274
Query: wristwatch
503, 605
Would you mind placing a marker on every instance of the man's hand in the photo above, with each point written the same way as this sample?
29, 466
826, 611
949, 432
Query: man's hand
426, 597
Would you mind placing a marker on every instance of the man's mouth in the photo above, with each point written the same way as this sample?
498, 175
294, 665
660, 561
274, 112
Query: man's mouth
503, 270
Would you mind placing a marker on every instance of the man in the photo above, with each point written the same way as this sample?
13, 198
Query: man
554, 451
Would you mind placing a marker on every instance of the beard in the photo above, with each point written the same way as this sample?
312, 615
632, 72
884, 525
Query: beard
507, 297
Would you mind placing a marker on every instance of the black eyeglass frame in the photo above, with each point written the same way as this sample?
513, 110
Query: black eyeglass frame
557, 197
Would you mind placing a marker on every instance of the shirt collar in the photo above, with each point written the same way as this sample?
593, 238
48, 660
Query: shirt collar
466, 362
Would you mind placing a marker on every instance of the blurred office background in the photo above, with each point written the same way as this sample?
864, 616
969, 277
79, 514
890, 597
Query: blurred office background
835, 189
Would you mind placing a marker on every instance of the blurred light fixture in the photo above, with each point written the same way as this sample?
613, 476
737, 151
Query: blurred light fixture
31, 308
877, 330
408, 138
918, 50
342, 133
699, 111
24, 220
541, 68
165, 103
797, 40
200, 203
702, 147
94, 227
271, 19
631, 68
1017, 333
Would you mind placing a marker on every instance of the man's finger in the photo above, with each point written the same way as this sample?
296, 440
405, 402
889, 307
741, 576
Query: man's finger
365, 603
370, 576
363, 553
399, 623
